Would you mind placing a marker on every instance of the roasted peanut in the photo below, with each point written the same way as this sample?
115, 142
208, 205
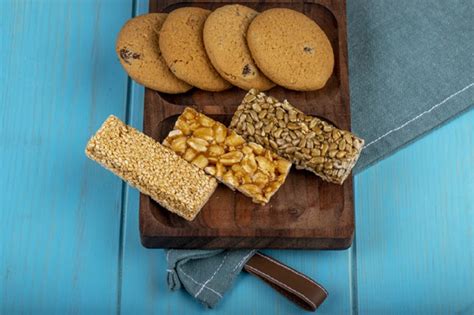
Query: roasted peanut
234, 140
189, 155
200, 161
231, 158
249, 164
204, 133
230, 179
179, 144
206, 121
216, 150
198, 144
220, 133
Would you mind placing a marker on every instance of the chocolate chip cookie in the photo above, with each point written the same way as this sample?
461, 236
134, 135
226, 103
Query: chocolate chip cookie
225, 41
291, 49
183, 49
139, 53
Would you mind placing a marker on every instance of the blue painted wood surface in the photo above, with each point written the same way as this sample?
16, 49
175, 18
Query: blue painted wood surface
60, 214
69, 238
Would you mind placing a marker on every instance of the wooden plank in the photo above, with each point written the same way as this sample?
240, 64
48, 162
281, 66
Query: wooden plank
415, 219
60, 217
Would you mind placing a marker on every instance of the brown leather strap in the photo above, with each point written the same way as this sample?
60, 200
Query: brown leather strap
295, 286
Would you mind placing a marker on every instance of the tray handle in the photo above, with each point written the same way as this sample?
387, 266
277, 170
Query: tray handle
295, 286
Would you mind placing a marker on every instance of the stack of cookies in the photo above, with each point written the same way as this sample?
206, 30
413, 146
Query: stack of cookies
233, 45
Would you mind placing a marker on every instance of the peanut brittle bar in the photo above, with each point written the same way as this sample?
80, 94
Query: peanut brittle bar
246, 167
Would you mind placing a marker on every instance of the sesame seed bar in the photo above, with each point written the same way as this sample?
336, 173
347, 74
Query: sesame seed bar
156, 171
247, 167
309, 142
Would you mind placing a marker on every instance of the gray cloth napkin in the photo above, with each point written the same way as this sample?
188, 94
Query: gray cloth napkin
205, 274
411, 69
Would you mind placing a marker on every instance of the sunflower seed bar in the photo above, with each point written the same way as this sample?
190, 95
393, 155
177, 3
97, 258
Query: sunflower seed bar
247, 167
310, 143
155, 170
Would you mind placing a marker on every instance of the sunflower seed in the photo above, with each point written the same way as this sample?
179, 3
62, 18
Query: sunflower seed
342, 145
292, 116
250, 129
254, 115
256, 107
268, 128
274, 144
316, 152
317, 130
262, 114
280, 141
348, 138
277, 133
324, 149
292, 126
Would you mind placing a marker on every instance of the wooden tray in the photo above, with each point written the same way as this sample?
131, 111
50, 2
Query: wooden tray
306, 212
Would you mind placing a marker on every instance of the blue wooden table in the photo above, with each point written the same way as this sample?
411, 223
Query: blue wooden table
69, 239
